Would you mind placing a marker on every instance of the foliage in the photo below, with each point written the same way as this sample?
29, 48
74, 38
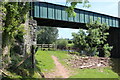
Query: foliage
15, 15
70, 45
94, 40
70, 41
46, 35
75, 53
70, 9
15, 58
62, 43
23, 71
51, 49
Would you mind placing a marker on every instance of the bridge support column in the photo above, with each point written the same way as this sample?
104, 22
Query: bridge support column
114, 40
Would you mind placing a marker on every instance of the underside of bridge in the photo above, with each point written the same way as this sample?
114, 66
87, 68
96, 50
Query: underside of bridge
113, 38
53, 15
59, 23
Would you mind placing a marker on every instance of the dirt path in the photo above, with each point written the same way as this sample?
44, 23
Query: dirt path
60, 72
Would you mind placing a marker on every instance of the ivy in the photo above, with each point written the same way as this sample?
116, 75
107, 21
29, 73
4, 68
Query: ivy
13, 19
15, 16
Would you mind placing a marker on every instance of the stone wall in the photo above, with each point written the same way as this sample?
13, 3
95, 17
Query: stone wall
30, 36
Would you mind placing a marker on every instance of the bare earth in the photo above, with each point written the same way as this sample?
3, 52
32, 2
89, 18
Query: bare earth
60, 71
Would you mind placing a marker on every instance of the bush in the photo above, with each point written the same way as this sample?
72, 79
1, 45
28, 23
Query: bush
70, 45
62, 43
51, 49
76, 53
70, 41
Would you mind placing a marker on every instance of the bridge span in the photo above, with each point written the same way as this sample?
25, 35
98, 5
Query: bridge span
54, 15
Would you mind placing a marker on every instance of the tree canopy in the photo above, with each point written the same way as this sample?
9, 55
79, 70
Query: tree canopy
46, 35
73, 4
94, 40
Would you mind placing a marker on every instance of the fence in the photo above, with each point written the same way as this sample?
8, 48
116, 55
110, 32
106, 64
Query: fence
47, 46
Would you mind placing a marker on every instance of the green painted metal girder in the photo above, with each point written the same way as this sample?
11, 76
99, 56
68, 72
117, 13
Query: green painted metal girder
51, 11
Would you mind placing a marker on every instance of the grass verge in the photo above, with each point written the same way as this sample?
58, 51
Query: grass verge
95, 73
46, 64
44, 61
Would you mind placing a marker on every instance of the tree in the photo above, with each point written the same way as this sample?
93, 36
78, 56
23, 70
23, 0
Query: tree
70, 9
94, 40
47, 35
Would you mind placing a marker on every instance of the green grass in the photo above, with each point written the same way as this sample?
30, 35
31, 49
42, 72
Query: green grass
46, 64
44, 61
60, 54
95, 73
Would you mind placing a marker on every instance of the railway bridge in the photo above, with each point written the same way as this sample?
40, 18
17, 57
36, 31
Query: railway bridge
54, 15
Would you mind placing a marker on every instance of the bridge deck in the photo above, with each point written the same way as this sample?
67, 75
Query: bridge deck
48, 14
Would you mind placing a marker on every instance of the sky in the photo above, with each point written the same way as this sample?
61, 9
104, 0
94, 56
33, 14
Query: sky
109, 7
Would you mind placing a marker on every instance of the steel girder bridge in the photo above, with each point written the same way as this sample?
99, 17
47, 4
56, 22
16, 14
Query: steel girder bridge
54, 15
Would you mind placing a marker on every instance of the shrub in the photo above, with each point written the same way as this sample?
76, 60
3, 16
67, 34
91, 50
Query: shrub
62, 43
51, 49
76, 53
94, 40
70, 45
